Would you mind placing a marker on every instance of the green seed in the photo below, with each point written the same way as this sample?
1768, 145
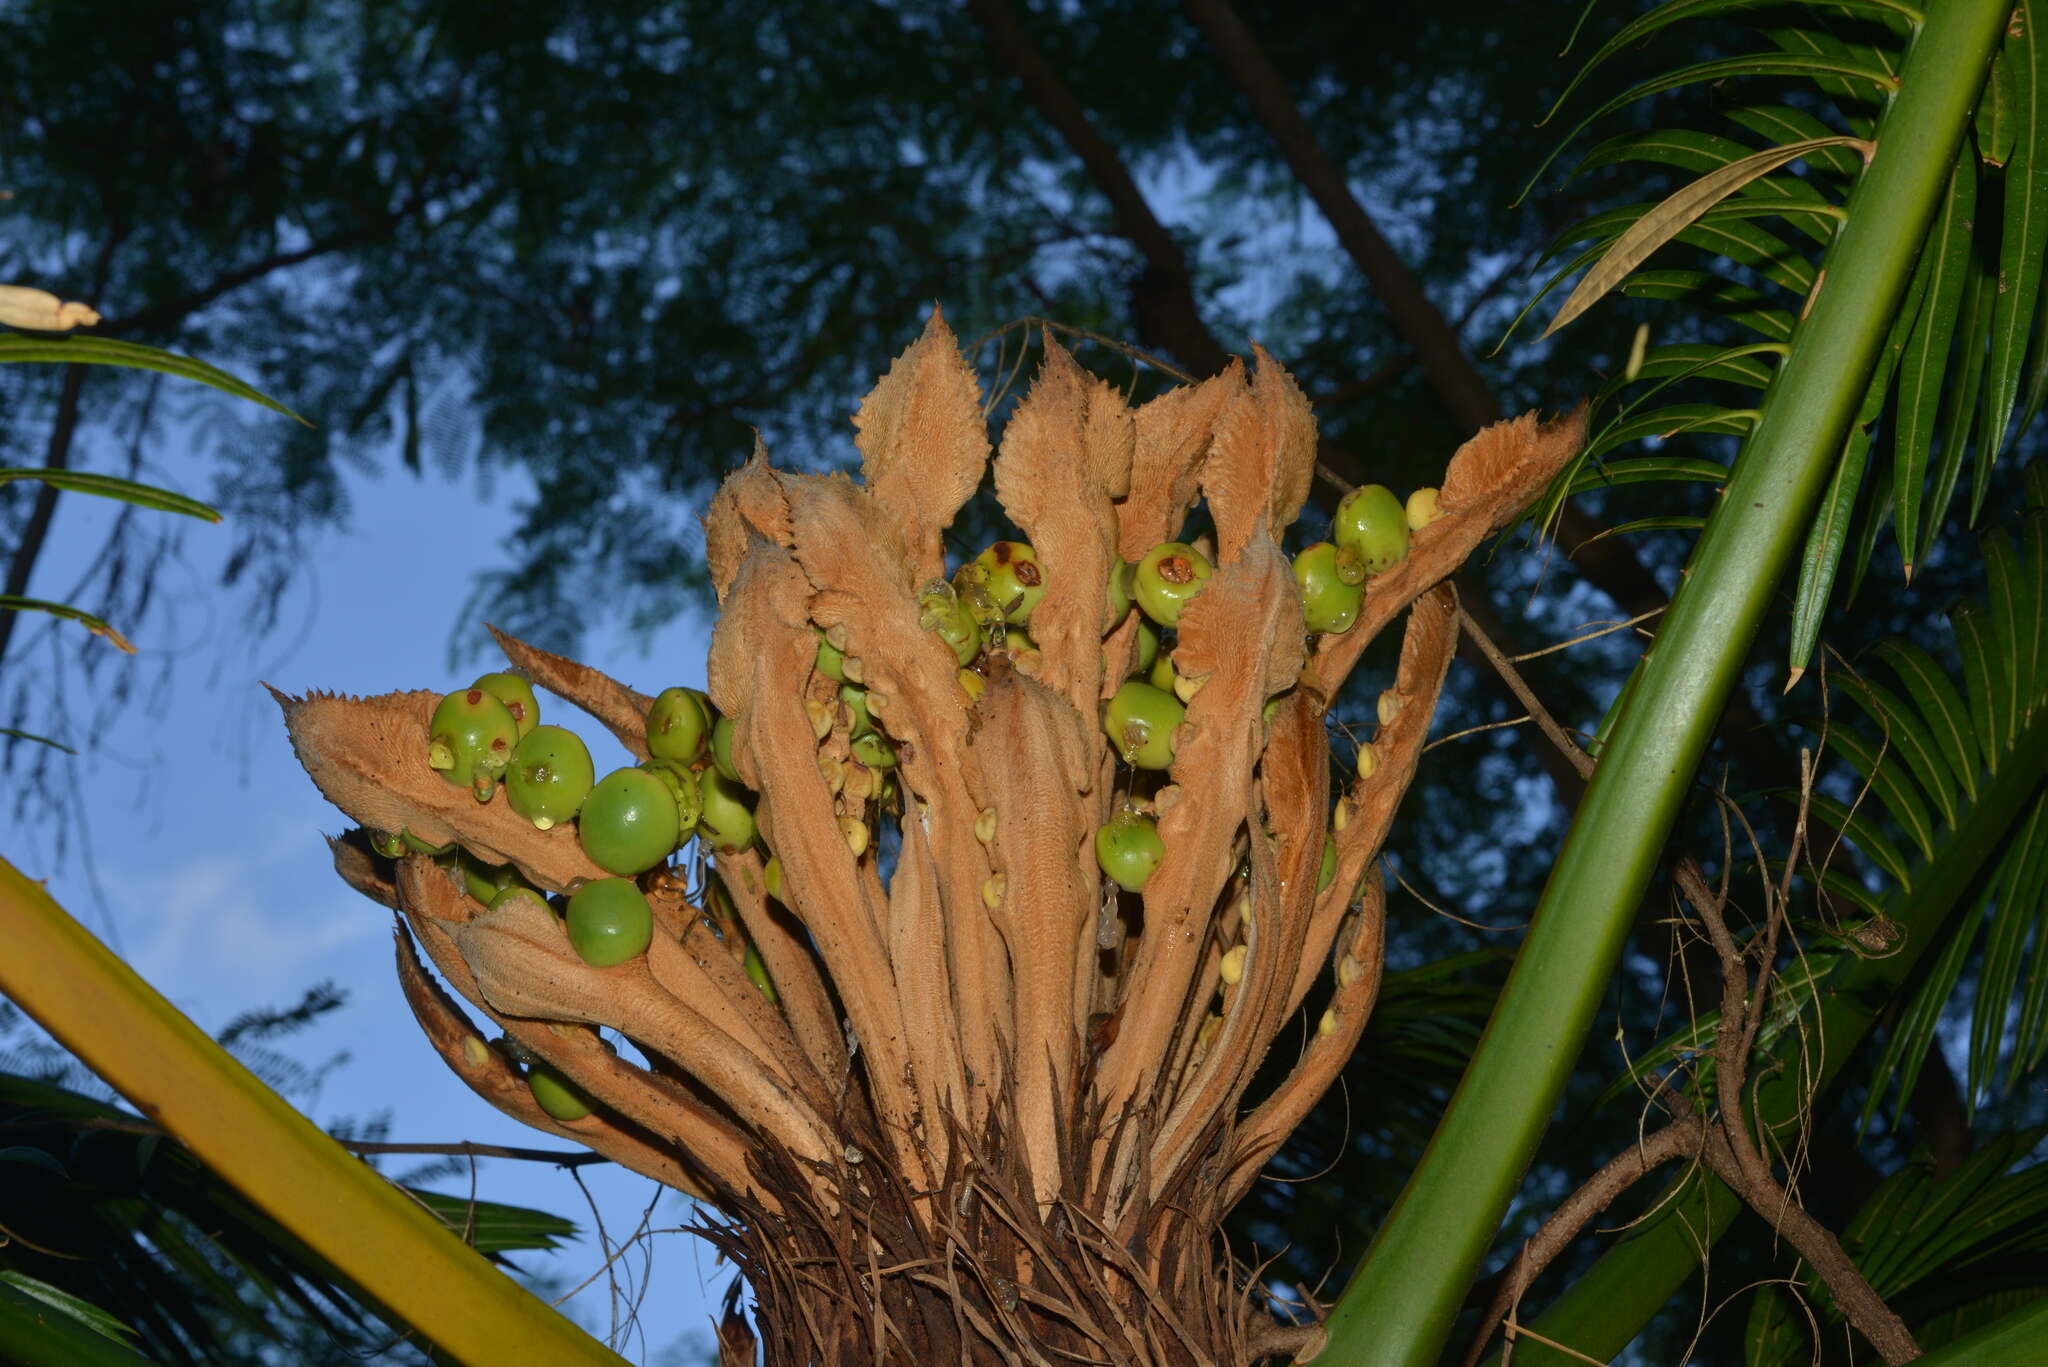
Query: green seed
771, 877
1120, 599
558, 1096
682, 786
1140, 722
875, 752
629, 822
1328, 603
1170, 574
609, 921
1013, 578
419, 846
856, 699
1148, 644
1372, 525
1129, 850
516, 692
757, 973
1329, 867
727, 821
517, 890
831, 660
942, 610
485, 881
384, 844
550, 776
1161, 675
677, 725
721, 748
470, 740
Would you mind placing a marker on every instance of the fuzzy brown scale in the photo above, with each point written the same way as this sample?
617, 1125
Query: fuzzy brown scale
992, 1107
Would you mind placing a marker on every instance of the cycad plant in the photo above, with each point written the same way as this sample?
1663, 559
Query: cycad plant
1010, 871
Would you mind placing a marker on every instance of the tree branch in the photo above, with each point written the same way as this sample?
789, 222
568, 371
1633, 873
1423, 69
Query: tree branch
1680, 1139
1732, 1151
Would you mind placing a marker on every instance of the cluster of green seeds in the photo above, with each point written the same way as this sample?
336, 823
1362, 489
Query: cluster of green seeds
487, 737
1368, 536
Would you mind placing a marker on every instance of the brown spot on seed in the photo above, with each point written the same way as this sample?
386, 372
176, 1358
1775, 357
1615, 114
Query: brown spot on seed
1175, 569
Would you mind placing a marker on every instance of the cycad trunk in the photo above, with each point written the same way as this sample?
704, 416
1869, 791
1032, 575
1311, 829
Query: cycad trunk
954, 1094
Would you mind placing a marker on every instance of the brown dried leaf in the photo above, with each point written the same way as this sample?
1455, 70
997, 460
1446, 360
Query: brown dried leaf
360, 869
1173, 432
756, 680
1261, 459
619, 709
749, 502
368, 756
659, 1106
1427, 648
1067, 447
1323, 1058
791, 962
491, 1076
1030, 759
1503, 466
1285, 859
525, 966
931, 1016
923, 442
1492, 478
864, 585
1243, 632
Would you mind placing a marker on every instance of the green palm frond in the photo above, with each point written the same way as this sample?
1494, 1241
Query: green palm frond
129, 1222
1916, 758
1958, 360
1927, 1243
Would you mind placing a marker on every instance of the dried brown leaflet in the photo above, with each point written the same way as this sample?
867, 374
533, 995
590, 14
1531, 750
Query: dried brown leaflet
958, 1096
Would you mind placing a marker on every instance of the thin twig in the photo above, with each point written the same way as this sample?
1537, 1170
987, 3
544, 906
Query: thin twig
1545, 723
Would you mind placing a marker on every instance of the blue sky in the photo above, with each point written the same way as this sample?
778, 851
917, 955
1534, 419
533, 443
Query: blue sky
214, 881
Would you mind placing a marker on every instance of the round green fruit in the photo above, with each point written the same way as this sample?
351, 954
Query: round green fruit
470, 740
517, 890
721, 747
945, 612
1129, 850
384, 844
1148, 644
856, 699
1328, 603
516, 692
1170, 574
628, 823
1140, 722
485, 881
727, 821
1160, 675
556, 1095
677, 725
874, 751
1120, 599
831, 660
1373, 526
682, 786
1012, 576
609, 921
550, 776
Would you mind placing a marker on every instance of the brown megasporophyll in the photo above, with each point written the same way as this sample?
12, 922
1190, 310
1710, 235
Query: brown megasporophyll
953, 1093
